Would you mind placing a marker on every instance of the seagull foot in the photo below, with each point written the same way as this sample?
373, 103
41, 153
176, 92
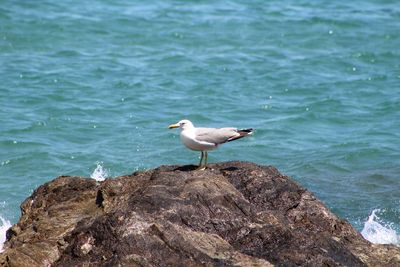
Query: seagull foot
201, 168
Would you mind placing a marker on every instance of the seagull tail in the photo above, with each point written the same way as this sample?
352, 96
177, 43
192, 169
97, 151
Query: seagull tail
245, 132
242, 133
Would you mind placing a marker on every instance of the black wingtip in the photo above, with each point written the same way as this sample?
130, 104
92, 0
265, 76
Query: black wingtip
249, 130
242, 133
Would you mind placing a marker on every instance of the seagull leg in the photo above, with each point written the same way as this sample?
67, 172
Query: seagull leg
205, 161
201, 158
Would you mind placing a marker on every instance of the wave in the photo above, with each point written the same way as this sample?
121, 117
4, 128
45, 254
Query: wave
5, 225
378, 232
99, 173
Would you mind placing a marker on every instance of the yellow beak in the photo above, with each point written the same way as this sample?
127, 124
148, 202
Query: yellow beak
172, 126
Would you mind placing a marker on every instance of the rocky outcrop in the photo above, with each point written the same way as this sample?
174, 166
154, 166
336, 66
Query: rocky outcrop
232, 214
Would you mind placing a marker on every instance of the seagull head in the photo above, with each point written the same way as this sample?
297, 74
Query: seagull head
183, 124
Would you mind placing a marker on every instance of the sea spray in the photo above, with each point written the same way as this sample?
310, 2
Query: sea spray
99, 174
379, 232
5, 225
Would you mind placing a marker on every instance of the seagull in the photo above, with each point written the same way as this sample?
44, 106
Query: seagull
204, 139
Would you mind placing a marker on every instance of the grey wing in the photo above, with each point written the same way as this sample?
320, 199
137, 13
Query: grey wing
216, 136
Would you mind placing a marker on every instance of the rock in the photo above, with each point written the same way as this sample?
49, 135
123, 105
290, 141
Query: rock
234, 214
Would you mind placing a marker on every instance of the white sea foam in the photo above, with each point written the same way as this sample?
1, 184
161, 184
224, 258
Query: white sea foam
379, 232
5, 224
99, 174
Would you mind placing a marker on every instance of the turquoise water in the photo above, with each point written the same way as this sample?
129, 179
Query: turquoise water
83, 83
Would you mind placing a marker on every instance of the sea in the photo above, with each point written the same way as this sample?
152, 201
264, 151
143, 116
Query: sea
89, 88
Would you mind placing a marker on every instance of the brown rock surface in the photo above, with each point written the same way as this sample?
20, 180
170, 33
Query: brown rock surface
235, 214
